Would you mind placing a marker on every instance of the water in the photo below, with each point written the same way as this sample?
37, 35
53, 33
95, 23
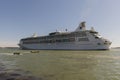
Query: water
64, 65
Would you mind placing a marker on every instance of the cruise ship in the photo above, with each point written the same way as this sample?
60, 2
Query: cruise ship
79, 39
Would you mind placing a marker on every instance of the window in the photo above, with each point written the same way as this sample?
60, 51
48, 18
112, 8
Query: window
96, 37
98, 43
83, 39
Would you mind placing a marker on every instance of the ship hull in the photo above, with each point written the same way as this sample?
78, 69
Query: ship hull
65, 46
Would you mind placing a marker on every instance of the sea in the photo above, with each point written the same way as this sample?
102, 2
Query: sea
59, 65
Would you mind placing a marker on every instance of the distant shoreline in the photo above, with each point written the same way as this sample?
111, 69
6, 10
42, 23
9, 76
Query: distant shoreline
9, 47
115, 48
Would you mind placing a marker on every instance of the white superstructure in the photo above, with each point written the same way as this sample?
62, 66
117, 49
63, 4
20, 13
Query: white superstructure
80, 39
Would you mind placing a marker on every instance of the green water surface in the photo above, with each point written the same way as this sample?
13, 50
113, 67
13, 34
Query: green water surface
65, 65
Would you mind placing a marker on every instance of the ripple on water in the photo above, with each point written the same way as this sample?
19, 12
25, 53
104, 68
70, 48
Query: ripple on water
17, 74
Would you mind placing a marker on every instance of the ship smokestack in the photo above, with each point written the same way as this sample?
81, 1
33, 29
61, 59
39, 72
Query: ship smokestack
81, 27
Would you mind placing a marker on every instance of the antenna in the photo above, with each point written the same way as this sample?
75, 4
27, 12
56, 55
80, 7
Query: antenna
92, 29
66, 30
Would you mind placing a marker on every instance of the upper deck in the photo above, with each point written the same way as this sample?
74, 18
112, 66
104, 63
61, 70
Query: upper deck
54, 37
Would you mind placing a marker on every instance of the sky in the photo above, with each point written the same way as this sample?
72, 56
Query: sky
22, 18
